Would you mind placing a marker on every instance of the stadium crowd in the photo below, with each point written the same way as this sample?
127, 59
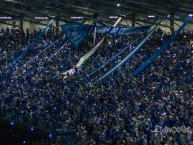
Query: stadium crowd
155, 107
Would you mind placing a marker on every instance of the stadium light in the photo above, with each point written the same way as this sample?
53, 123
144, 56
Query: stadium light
74, 17
118, 5
41, 18
151, 16
190, 14
5, 18
113, 17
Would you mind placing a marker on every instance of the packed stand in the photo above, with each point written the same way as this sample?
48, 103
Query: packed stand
119, 110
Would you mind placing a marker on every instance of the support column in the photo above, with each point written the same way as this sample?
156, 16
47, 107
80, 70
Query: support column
14, 24
133, 20
57, 25
172, 23
21, 24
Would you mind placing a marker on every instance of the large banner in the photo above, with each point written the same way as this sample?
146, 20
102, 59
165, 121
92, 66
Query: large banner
84, 58
81, 29
119, 30
75, 32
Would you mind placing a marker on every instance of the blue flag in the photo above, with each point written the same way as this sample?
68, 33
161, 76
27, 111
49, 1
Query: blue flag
76, 32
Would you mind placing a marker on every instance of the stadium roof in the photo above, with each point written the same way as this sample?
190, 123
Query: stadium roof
97, 10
